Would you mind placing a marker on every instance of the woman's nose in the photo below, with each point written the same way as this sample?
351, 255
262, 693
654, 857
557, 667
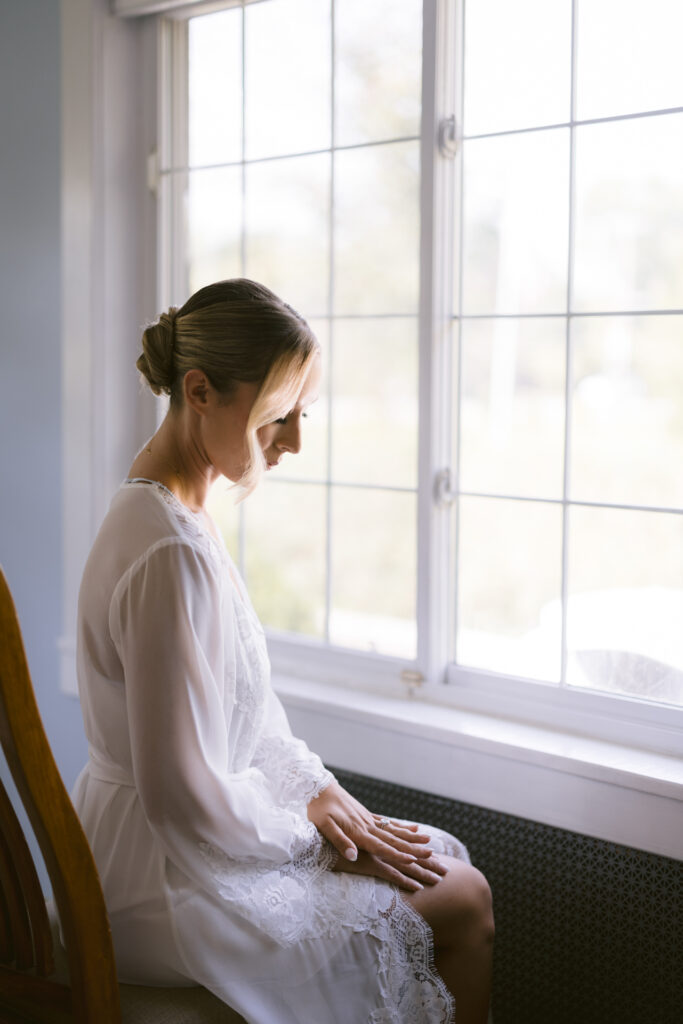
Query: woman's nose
289, 439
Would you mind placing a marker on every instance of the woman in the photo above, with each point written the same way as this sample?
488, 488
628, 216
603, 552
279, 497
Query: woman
229, 856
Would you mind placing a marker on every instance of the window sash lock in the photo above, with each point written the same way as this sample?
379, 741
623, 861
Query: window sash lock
445, 489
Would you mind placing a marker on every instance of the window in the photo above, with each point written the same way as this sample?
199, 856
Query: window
490, 494
280, 170
570, 348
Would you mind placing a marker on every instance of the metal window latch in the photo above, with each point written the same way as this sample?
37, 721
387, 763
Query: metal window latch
412, 679
153, 172
445, 491
448, 141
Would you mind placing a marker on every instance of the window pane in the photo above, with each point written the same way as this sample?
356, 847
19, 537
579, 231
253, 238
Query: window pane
627, 412
287, 77
512, 412
629, 56
516, 202
378, 50
215, 88
374, 570
377, 229
509, 587
374, 408
517, 64
285, 555
214, 213
287, 214
311, 462
626, 603
629, 215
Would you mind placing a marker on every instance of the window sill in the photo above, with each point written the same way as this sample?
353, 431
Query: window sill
597, 788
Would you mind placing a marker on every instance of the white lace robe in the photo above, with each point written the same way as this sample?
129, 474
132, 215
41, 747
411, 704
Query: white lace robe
194, 797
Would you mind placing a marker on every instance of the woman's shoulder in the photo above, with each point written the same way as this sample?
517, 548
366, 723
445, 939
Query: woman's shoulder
142, 513
146, 522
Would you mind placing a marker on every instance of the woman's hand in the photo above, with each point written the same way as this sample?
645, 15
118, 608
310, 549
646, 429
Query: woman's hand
351, 828
412, 877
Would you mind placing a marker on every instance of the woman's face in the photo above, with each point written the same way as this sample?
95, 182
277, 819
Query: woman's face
224, 427
276, 439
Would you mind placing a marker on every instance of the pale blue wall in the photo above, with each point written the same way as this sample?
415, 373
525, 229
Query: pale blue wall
30, 357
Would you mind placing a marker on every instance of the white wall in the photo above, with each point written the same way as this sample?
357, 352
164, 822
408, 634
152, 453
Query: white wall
30, 354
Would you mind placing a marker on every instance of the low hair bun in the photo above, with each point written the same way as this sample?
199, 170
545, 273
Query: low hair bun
156, 363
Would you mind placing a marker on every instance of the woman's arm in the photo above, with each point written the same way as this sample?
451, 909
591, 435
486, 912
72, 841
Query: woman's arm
174, 641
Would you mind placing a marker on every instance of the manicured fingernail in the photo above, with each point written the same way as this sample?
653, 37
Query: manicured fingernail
351, 854
419, 886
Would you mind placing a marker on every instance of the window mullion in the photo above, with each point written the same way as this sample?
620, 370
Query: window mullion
173, 135
566, 482
436, 207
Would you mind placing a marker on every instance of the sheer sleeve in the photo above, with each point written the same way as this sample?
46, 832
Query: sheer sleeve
294, 773
169, 629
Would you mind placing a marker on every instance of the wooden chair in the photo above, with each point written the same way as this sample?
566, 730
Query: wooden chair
33, 987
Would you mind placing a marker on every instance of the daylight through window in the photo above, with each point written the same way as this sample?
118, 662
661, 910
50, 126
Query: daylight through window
292, 155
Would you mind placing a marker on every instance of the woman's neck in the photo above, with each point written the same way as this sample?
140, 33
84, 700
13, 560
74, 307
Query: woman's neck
174, 459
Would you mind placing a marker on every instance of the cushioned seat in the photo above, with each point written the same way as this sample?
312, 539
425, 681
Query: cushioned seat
142, 1004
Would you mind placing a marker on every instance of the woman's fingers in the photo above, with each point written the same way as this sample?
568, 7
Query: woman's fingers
348, 838
381, 869
398, 878
401, 835
341, 842
380, 845
407, 829
429, 873
417, 845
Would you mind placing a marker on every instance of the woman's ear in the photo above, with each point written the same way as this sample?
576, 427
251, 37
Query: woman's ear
197, 390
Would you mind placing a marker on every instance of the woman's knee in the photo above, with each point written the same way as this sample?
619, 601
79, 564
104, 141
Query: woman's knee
470, 905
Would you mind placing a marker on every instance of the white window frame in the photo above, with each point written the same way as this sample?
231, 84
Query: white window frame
108, 226
606, 766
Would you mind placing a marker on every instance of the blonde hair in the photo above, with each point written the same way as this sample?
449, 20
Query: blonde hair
235, 330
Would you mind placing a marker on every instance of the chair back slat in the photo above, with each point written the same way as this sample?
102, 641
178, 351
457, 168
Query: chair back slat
37, 1000
69, 862
6, 951
22, 944
27, 884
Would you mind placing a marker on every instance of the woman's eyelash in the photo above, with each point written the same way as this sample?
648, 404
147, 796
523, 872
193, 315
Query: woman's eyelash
283, 419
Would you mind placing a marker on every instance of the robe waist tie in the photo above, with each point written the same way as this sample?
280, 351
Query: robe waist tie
106, 771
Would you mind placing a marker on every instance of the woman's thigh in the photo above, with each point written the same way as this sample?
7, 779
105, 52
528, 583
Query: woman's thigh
460, 901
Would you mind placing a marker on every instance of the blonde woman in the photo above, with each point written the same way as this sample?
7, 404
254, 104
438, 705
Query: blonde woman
229, 856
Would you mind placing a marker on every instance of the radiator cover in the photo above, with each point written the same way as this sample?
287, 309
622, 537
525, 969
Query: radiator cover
587, 932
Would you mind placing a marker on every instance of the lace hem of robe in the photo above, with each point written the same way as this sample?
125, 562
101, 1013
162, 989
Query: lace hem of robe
302, 900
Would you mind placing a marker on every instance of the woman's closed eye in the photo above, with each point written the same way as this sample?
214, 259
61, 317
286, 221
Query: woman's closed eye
283, 419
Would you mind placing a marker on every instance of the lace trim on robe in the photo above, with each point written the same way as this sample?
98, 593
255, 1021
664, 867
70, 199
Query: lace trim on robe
295, 774
291, 903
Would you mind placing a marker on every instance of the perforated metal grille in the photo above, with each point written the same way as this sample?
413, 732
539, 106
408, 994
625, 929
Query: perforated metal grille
587, 932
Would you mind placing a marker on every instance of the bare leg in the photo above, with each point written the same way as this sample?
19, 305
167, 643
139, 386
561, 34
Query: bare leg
459, 912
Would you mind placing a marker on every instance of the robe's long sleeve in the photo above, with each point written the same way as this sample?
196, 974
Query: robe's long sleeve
173, 639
